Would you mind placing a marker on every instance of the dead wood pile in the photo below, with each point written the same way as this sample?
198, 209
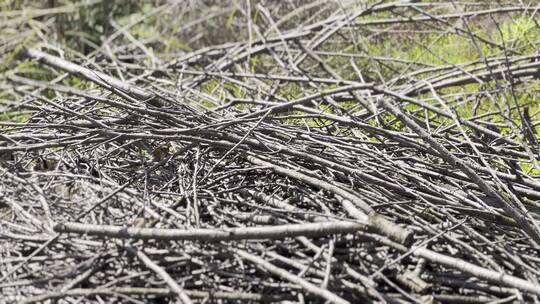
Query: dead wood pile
258, 171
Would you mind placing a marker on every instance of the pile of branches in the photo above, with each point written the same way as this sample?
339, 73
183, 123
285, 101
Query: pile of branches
196, 179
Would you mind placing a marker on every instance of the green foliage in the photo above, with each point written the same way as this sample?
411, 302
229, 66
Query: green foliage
230, 20
209, 86
234, 90
443, 49
19, 116
291, 91
254, 63
76, 82
521, 34
173, 43
85, 30
33, 70
528, 168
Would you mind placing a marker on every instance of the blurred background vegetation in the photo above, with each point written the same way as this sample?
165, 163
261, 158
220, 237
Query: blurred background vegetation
151, 33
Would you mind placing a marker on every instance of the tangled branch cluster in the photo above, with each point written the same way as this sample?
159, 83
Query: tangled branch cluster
212, 177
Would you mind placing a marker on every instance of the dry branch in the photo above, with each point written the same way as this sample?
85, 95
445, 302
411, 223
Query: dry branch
158, 292
97, 77
476, 271
214, 235
173, 285
367, 214
309, 287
